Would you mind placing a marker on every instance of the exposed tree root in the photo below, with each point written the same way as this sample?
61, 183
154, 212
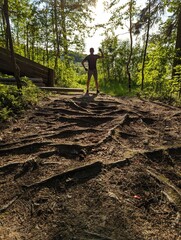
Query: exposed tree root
9, 167
68, 150
63, 200
172, 192
81, 108
98, 236
47, 154
24, 149
27, 166
112, 130
71, 177
120, 163
160, 104
68, 111
69, 133
75, 175
165, 155
73, 150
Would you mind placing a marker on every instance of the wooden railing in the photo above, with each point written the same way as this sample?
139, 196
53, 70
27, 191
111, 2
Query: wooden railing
27, 67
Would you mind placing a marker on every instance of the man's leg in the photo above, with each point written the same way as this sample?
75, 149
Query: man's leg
96, 80
88, 79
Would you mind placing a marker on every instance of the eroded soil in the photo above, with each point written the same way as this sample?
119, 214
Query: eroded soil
96, 167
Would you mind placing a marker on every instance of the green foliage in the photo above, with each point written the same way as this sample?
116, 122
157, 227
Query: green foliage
118, 89
14, 101
69, 76
176, 82
47, 32
113, 67
157, 68
166, 89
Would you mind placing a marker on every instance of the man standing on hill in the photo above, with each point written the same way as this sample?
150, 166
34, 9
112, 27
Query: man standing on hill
92, 69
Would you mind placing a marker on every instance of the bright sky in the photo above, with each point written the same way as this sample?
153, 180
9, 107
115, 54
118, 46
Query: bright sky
101, 17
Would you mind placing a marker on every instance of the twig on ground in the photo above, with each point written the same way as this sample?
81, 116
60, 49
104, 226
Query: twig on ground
7, 205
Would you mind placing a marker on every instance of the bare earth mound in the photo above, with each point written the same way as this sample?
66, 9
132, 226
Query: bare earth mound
94, 167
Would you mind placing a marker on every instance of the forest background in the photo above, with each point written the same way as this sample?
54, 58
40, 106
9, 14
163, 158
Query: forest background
148, 63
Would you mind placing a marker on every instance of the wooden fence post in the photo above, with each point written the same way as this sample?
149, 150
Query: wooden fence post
51, 76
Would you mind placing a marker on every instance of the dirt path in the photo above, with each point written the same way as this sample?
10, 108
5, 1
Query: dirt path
93, 167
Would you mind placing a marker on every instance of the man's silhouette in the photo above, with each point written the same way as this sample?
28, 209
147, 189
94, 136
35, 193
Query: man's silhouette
92, 69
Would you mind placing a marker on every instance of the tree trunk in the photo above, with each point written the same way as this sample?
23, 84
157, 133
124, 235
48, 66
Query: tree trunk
47, 40
131, 47
177, 59
11, 48
64, 32
57, 56
145, 49
4, 29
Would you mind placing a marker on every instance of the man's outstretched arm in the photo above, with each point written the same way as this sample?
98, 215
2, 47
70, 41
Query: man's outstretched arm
102, 54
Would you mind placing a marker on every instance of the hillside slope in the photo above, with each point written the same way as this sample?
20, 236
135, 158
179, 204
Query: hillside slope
94, 167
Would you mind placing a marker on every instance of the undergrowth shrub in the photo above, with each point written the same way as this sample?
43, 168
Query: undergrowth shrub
14, 101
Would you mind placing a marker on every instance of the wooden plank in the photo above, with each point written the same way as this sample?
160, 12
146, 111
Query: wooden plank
21, 59
27, 67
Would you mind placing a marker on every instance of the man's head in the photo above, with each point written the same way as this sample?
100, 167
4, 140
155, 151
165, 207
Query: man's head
91, 50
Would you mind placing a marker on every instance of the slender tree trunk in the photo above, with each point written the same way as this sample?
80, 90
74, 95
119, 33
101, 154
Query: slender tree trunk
177, 59
4, 29
33, 47
57, 55
145, 49
131, 48
15, 66
64, 32
47, 40
53, 32
17, 35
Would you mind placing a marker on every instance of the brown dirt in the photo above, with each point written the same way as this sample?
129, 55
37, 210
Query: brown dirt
95, 167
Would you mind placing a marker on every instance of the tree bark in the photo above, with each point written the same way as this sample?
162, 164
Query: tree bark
57, 56
177, 59
131, 47
145, 49
4, 29
10, 44
64, 32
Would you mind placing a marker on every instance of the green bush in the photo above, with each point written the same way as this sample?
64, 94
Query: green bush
14, 101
